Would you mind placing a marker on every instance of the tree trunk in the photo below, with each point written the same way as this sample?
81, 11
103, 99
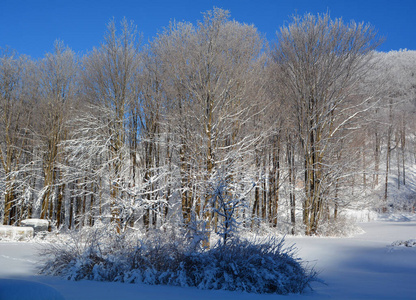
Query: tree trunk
376, 159
292, 182
388, 156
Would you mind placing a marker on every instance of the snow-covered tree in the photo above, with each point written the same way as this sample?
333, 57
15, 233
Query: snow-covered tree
109, 82
322, 62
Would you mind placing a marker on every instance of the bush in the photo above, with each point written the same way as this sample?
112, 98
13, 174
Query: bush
408, 243
343, 226
170, 258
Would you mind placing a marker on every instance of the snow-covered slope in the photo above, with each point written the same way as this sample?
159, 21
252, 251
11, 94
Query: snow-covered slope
366, 266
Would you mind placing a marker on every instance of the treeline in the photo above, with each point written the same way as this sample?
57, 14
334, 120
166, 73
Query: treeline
205, 124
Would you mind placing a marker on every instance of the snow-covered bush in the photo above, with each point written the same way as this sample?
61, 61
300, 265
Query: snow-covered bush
256, 266
408, 243
224, 203
343, 226
252, 266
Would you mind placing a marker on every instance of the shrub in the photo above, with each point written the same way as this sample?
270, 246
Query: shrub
258, 266
408, 243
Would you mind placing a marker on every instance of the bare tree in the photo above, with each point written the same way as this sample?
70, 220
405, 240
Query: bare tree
57, 91
209, 78
14, 120
109, 80
321, 62
395, 73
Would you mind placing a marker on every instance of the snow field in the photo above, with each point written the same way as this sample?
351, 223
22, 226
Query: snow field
366, 266
12, 289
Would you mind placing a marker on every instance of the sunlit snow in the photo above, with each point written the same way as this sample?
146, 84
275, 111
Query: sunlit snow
366, 266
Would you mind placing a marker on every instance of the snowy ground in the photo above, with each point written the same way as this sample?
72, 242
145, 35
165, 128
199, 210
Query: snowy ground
362, 267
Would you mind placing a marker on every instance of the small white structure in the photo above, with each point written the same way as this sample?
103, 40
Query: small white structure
15, 233
38, 225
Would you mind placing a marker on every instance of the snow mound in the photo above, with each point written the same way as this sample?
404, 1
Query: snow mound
37, 224
12, 289
14, 233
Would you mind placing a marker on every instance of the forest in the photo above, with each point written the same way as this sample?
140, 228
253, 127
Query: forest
209, 127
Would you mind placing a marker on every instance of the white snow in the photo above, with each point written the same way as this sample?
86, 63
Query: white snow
37, 224
12, 289
15, 233
365, 266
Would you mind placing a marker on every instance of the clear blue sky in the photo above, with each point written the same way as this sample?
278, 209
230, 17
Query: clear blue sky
31, 27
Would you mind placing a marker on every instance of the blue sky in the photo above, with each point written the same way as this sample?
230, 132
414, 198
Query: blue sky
31, 27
